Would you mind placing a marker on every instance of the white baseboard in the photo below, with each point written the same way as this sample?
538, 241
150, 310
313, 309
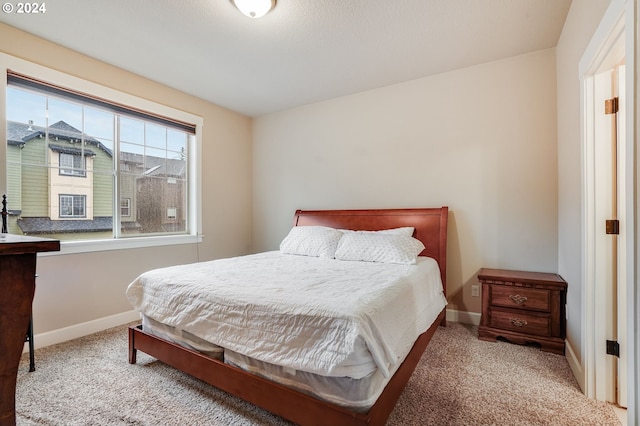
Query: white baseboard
574, 364
463, 317
54, 337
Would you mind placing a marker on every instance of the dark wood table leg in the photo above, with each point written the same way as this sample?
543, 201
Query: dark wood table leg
18, 255
32, 356
17, 279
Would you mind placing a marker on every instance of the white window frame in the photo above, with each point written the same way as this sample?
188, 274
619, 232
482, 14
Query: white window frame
8, 62
74, 170
127, 207
73, 198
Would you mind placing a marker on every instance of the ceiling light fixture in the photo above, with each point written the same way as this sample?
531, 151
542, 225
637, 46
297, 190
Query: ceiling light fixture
254, 8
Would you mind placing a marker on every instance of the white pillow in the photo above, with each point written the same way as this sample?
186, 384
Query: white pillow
378, 247
318, 241
407, 231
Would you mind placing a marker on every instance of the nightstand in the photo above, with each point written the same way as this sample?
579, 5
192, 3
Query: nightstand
523, 307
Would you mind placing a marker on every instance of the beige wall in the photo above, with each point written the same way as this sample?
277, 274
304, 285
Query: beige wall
75, 289
581, 23
481, 140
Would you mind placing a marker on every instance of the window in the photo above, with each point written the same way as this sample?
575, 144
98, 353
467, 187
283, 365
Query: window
89, 167
72, 164
72, 205
125, 207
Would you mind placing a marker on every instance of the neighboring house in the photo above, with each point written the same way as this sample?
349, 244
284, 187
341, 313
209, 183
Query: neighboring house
65, 186
152, 193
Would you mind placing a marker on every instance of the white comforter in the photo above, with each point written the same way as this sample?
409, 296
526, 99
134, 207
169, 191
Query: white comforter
324, 316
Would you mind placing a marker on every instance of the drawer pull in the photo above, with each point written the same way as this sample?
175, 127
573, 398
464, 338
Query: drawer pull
517, 299
518, 322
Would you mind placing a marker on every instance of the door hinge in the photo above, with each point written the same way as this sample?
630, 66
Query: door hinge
612, 226
613, 348
611, 106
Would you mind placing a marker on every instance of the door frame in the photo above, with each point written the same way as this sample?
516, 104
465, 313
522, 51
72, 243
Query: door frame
614, 39
603, 259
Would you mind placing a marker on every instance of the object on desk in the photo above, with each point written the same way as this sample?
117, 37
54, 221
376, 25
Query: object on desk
4, 213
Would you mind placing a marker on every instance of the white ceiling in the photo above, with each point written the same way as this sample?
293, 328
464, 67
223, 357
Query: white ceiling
303, 51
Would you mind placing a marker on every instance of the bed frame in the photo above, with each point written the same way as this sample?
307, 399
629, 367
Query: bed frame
431, 229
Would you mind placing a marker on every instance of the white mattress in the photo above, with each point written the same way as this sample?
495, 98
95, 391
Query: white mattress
354, 394
181, 337
282, 310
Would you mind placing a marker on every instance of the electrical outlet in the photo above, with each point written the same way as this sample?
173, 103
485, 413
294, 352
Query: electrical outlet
475, 290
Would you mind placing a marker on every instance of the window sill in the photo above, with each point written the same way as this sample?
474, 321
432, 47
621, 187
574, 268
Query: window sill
73, 247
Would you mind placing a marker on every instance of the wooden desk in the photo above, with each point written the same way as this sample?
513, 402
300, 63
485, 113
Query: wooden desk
17, 286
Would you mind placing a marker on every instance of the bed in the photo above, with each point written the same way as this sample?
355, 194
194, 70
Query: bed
378, 360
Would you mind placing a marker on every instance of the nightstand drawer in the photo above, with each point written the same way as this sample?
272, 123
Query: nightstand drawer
519, 297
518, 321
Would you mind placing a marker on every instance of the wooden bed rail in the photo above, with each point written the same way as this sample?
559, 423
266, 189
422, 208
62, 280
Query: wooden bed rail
430, 227
278, 399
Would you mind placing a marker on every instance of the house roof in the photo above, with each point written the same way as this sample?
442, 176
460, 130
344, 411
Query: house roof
71, 150
161, 167
39, 225
44, 225
20, 133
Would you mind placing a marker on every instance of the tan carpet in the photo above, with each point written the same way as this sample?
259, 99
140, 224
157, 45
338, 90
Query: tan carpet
459, 381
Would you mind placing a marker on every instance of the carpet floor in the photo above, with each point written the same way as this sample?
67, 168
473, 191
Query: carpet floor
460, 380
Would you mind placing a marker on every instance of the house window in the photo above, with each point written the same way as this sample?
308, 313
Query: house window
72, 164
73, 206
125, 207
138, 159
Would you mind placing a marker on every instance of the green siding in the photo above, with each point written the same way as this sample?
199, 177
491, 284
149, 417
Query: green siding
35, 182
29, 183
102, 184
14, 177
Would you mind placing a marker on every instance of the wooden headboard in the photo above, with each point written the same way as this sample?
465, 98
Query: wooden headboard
430, 226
